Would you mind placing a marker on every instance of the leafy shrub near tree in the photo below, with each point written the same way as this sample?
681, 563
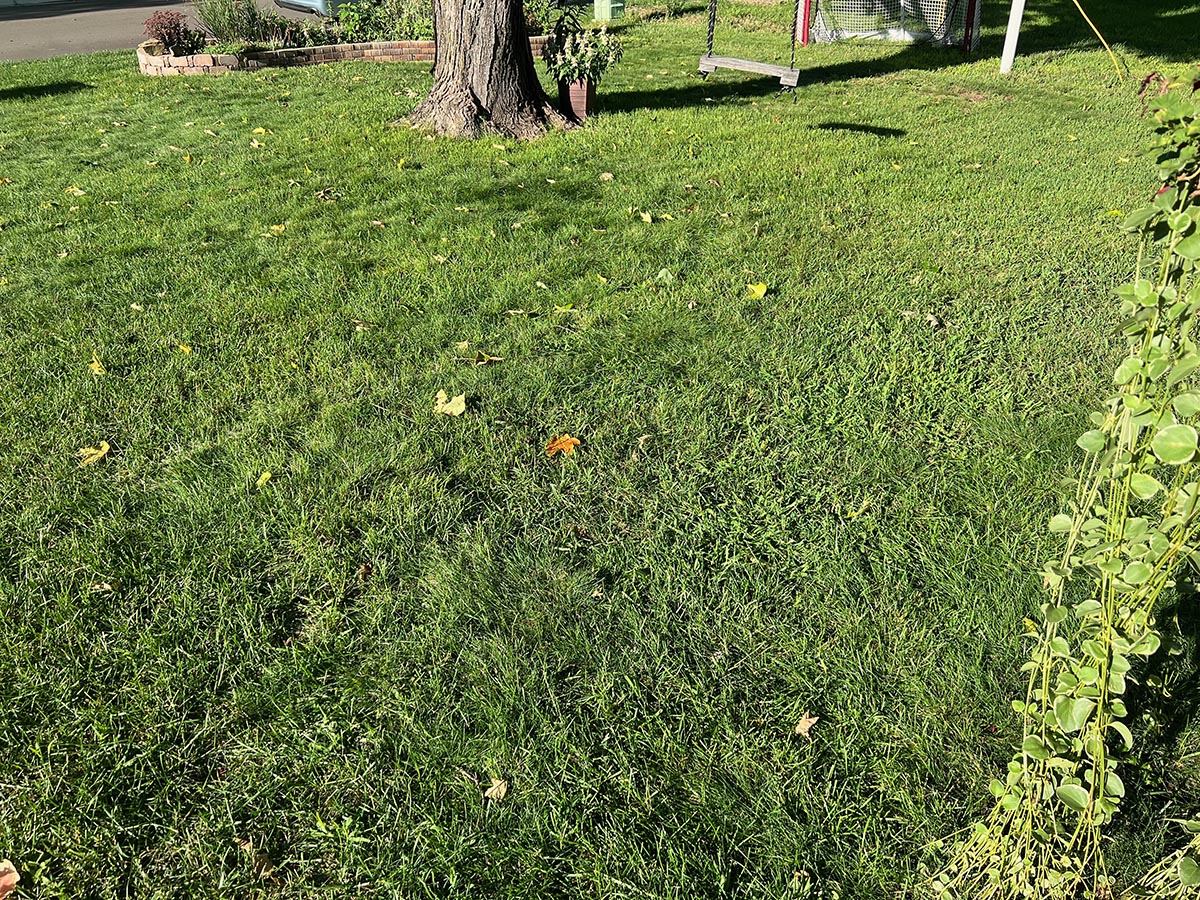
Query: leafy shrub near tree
386, 20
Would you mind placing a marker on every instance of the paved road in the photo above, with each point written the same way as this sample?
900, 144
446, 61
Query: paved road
39, 31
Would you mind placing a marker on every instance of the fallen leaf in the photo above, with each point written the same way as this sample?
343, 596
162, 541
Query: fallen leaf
462, 346
805, 725
74, 191
665, 276
757, 291
438, 258
185, 349
450, 407
278, 229
378, 224
483, 359
210, 132
262, 480
606, 176
136, 307
256, 143
89, 456
646, 217
95, 365
365, 571
564, 444
498, 791
9, 878
4, 181
263, 867
260, 131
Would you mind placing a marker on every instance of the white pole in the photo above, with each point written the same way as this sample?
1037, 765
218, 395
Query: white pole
1015, 15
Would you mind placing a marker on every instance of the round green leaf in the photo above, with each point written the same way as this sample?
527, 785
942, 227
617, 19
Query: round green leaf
1060, 524
1143, 485
1187, 405
1189, 247
1094, 441
1073, 795
1127, 371
1189, 871
1123, 730
1137, 572
1175, 444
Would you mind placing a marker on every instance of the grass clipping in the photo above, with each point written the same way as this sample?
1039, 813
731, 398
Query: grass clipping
1133, 520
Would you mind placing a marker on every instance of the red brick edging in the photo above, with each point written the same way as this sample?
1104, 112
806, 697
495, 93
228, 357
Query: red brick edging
215, 63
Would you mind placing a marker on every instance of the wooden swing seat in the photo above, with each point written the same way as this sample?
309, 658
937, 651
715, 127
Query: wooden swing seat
788, 78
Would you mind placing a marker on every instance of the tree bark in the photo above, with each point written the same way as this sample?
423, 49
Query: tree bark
483, 73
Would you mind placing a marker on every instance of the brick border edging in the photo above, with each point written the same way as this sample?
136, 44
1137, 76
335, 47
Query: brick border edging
249, 60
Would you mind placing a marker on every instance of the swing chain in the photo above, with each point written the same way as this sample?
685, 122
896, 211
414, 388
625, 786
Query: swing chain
795, 31
712, 24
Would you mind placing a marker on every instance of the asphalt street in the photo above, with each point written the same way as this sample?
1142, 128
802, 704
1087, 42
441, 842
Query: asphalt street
43, 30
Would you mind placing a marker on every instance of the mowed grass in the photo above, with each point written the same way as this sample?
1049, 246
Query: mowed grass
830, 500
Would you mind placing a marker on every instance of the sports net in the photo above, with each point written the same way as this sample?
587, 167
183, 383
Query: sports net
952, 23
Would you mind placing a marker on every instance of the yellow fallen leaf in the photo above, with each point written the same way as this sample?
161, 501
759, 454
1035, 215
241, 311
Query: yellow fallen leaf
95, 365
136, 307
498, 791
262, 480
74, 191
646, 217
260, 131
450, 407
805, 725
278, 229
263, 867
9, 878
89, 456
757, 291
256, 143
564, 444
606, 176
185, 349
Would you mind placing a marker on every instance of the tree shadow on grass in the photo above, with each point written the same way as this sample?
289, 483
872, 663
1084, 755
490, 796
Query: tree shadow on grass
34, 91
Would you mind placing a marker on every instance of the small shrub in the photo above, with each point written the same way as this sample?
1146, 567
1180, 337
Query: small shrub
171, 30
580, 55
241, 23
385, 20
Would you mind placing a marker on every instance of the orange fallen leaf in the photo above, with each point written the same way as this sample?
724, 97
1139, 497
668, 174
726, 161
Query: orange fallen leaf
564, 444
8, 878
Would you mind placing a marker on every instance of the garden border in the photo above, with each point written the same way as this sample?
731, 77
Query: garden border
151, 63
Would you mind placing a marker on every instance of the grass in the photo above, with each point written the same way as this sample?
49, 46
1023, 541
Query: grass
830, 500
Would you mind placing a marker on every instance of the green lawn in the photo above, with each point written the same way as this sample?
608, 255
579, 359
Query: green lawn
829, 500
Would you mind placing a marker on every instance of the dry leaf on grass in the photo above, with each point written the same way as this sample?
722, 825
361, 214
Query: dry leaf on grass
805, 725
95, 365
8, 878
498, 791
450, 406
564, 444
263, 867
89, 456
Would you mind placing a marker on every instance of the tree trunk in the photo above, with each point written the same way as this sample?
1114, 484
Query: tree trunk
483, 74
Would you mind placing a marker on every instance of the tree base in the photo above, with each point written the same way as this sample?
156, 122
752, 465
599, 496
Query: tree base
454, 111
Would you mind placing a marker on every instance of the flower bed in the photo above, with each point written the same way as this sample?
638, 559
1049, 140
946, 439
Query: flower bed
152, 60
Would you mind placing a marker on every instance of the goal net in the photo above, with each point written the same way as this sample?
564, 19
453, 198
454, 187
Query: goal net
951, 23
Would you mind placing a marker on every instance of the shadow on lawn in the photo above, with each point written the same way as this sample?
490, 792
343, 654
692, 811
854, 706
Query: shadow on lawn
34, 91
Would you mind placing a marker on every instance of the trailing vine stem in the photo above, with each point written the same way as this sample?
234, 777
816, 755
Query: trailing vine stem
1133, 519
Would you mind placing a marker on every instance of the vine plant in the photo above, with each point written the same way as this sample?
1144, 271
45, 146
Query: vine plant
1133, 520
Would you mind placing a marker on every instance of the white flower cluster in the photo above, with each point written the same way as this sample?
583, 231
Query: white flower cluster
581, 55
